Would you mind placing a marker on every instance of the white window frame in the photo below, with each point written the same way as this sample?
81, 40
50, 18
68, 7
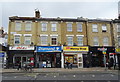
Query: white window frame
28, 26
42, 26
104, 28
79, 28
118, 27
25, 40
69, 28
56, 40
118, 40
95, 41
94, 28
53, 28
15, 39
18, 25
105, 41
79, 40
68, 37
43, 42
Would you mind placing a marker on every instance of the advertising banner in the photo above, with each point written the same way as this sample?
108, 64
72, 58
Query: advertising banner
48, 49
81, 49
21, 48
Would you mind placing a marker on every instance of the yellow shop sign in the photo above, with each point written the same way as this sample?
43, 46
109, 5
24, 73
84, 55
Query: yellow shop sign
82, 49
117, 49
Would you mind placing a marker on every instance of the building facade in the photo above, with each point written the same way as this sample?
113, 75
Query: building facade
51, 42
100, 39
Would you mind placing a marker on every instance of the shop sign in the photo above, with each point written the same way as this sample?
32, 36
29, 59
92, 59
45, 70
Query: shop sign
82, 49
21, 48
2, 54
117, 49
48, 48
102, 49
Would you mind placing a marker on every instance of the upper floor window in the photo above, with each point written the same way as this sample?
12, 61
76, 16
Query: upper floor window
80, 40
118, 28
105, 41
54, 27
28, 26
70, 40
118, 41
104, 28
43, 40
17, 39
95, 41
27, 39
53, 40
69, 27
44, 27
94, 28
18, 26
79, 27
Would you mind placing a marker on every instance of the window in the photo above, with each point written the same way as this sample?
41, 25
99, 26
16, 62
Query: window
79, 27
118, 41
17, 39
43, 40
44, 27
27, 39
105, 41
53, 27
28, 26
104, 28
80, 40
54, 40
18, 26
69, 27
118, 28
95, 41
94, 28
70, 40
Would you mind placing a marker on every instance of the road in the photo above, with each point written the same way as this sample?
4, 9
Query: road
60, 77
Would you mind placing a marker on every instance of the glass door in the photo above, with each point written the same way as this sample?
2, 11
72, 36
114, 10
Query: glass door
24, 59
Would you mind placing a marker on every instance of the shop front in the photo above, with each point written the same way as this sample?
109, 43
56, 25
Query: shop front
74, 55
48, 56
118, 56
100, 55
20, 55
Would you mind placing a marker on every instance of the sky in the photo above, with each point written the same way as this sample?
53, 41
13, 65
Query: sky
106, 9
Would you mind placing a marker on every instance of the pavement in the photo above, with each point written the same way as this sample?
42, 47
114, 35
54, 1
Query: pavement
62, 70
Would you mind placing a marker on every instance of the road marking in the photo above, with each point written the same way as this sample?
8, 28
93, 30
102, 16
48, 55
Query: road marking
112, 75
74, 76
5, 77
45, 76
102, 75
64, 76
54, 76
83, 75
15, 77
93, 75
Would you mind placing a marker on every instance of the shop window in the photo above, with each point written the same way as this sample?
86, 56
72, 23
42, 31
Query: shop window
69, 27
105, 41
53, 27
94, 28
54, 40
72, 58
44, 40
18, 26
79, 27
27, 39
28, 26
95, 41
70, 40
44, 27
104, 28
17, 40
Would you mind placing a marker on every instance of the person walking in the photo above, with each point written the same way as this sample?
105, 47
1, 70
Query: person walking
67, 63
19, 66
70, 64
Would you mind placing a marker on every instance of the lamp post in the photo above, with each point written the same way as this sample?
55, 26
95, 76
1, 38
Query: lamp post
104, 53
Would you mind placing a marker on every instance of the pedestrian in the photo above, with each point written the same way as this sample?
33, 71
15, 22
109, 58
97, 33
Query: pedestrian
67, 63
87, 62
70, 64
19, 66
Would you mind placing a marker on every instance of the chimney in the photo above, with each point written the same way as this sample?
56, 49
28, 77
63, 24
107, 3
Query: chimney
37, 13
